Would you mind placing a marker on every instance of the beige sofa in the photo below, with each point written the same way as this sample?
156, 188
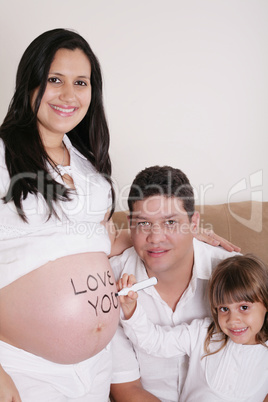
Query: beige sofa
243, 223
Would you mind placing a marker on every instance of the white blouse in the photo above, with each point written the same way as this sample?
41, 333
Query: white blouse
236, 373
26, 246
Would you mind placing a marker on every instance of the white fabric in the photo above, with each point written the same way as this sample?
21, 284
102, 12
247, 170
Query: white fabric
40, 380
162, 377
26, 246
235, 373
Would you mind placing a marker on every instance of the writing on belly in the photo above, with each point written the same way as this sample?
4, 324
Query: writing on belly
94, 286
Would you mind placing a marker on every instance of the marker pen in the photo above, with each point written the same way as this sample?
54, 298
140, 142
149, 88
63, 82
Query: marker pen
138, 286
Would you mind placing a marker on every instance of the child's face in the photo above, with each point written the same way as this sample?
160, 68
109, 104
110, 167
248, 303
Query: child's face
241, 321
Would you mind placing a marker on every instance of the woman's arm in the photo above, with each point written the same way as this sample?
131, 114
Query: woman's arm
120, 239
8, 390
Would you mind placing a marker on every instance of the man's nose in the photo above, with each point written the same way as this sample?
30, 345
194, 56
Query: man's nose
157, 234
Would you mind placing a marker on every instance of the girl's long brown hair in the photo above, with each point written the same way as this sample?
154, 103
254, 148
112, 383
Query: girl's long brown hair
236, 279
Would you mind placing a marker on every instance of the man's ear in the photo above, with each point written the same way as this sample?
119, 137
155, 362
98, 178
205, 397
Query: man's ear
129, 220
195, 222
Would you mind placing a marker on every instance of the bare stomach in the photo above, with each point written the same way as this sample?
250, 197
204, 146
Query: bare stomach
65, 311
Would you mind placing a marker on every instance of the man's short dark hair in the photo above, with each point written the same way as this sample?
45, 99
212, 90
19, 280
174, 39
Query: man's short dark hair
162, 180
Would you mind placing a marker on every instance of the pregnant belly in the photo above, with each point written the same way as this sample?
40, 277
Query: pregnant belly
65, 311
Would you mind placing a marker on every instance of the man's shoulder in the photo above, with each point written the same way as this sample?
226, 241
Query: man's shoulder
127, 262
206, 257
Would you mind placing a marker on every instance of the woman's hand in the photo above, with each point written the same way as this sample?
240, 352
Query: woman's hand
208, 236
128, 303
8, 390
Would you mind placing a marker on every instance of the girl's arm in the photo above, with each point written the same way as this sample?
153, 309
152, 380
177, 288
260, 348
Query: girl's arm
8, 390
153, 339
209, 237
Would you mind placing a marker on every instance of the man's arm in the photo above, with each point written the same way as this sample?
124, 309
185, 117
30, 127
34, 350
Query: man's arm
131, 392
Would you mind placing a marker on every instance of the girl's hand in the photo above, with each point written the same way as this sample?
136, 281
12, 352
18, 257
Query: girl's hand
129, 302
8, 390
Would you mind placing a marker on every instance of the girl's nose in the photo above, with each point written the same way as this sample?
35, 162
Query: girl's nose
233, 317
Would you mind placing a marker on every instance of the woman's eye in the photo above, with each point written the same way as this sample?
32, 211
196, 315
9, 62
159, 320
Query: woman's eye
81, 83
54, 80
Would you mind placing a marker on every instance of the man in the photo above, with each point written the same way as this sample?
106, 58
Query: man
163, 223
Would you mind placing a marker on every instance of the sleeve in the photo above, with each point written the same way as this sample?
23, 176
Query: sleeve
125, 364
157, 340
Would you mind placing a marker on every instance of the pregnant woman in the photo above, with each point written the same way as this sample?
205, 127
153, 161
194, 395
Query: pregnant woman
57, 304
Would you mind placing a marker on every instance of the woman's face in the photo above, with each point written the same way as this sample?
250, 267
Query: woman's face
67, 96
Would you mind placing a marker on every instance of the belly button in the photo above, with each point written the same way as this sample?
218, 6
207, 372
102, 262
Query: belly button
99, 328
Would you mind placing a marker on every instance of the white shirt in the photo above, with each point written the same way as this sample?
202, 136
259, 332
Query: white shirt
235, 373
162, 377
26, 246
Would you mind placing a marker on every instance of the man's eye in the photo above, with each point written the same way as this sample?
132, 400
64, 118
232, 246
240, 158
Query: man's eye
54, 80
170, 222
144, 224
81, 83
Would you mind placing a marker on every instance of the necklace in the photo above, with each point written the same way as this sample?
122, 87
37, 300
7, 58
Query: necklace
62, 162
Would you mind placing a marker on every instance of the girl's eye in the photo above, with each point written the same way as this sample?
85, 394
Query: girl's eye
54, 80
223, 309
81, 83
244, 308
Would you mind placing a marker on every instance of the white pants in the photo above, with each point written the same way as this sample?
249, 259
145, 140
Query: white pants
40, 380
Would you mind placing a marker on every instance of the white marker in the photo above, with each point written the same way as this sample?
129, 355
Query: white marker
138, 286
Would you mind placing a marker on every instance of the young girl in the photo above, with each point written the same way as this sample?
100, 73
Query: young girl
228, 355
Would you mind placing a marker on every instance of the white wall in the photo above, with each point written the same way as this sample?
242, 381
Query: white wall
185, 84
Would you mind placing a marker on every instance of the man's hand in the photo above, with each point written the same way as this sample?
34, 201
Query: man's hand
208, 236
8, 390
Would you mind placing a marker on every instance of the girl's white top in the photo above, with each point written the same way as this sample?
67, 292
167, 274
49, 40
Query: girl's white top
26, 246
236, 373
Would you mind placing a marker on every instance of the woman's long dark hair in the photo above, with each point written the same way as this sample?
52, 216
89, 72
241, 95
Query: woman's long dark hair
25, 153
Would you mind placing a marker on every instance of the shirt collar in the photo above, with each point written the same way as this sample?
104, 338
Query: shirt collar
70, 147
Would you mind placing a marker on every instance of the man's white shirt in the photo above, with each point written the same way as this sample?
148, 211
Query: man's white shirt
162, 377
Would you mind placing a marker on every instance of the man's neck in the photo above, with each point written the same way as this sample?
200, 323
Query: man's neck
172, 284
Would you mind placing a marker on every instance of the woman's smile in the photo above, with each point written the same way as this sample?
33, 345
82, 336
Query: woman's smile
67, 96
